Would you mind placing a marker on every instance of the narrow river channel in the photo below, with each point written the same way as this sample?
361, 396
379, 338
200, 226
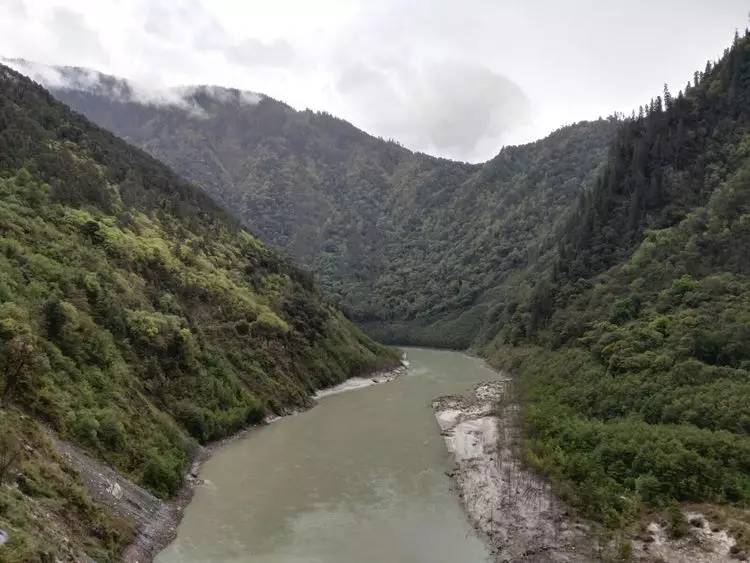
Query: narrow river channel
360, 478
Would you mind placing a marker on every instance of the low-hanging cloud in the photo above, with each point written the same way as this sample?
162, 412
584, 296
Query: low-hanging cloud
122, 90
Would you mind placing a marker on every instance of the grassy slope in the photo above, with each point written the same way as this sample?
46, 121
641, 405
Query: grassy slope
136, 318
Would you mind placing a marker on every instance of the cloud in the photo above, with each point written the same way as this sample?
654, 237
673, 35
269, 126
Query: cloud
218, 93
445, 107
253, 52
455, 79
188, 98
71, 33
16, 8
184, 22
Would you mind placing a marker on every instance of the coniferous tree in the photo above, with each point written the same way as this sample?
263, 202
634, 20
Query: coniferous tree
667, 98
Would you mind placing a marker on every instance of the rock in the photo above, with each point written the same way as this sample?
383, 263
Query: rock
3, 537
115, 490
696, 522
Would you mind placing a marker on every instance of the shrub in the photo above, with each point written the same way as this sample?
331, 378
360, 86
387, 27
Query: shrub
649, 489
624, 310
10, 455
111, 431
677, 524
85, 428
162, 475
255, 412
193, 419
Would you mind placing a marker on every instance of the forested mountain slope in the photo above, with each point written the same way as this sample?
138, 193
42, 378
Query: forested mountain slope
633, 344
136, 319
411, 246
607, 265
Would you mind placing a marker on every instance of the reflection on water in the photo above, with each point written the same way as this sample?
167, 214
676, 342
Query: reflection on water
359, 478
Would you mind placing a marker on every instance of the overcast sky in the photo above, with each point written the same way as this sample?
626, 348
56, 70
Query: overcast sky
453, 78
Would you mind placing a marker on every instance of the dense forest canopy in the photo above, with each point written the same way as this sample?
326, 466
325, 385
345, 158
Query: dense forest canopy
410, 246
136, 320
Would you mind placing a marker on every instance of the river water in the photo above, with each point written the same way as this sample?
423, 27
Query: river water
360, 478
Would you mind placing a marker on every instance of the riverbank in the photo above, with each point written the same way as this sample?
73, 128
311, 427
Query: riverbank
516, 511
508, 504
156, 520
354, 383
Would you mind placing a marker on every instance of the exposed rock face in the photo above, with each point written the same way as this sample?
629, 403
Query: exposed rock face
507, 502
123, 497
155, 519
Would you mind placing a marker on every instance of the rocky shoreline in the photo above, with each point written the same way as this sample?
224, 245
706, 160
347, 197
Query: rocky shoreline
508, 504
518, 514
156, 520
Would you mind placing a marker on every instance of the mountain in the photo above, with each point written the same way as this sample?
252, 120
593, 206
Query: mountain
606, 266
412, 247
632, 345
137, 319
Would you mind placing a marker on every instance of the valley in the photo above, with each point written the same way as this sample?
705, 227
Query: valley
191, 272
392, 236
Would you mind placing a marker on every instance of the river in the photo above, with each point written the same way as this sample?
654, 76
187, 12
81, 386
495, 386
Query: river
360, 478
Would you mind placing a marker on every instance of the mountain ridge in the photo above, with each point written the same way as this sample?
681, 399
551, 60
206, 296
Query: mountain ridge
388, 232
